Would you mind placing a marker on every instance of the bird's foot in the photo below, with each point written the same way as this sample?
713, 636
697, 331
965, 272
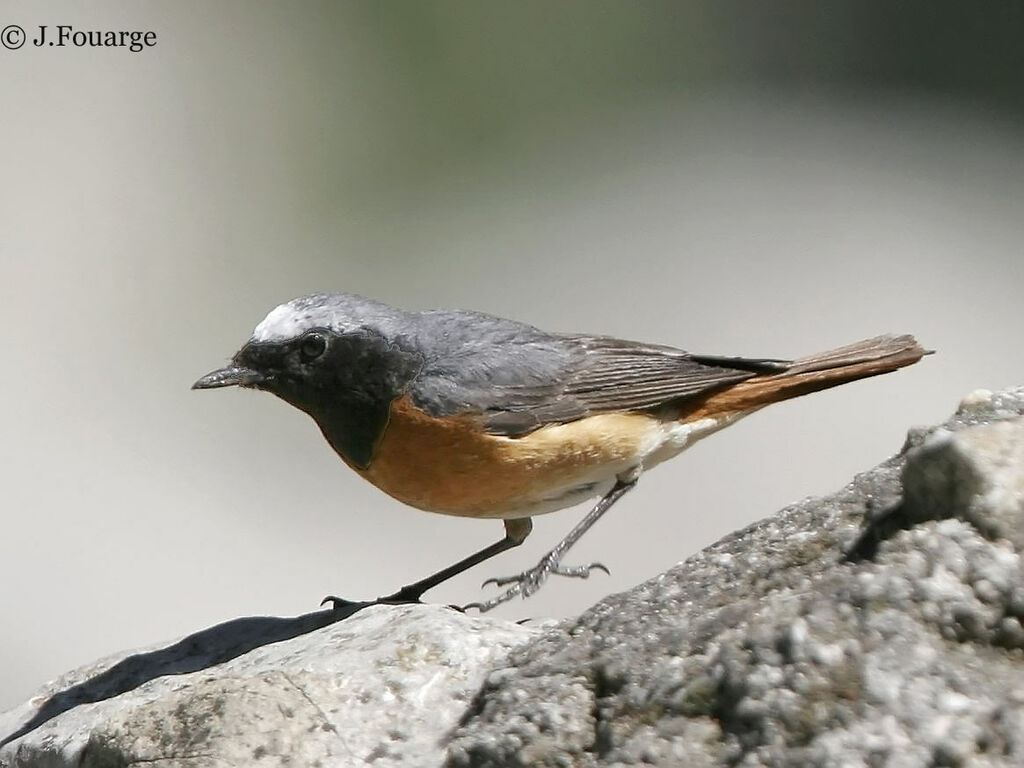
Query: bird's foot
528, 582
340, 603
410, 594
403, 596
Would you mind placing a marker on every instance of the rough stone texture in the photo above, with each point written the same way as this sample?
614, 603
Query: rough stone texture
382, 686
808, 639
881, 626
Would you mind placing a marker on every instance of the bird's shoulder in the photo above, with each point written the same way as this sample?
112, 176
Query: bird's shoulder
475, 362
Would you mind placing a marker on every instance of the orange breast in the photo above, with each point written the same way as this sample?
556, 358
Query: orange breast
453, 467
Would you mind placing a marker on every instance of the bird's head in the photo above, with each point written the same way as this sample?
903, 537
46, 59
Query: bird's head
322, 352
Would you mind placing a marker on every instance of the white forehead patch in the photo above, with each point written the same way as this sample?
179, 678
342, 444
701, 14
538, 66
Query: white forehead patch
336, 311
283, 322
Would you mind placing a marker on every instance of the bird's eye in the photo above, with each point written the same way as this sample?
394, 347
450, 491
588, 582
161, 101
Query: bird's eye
313, 345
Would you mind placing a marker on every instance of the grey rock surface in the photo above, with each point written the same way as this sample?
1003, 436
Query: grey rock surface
880, 626
862, 629
382, 686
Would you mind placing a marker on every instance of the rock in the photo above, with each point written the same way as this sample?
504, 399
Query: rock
808, 639
880, 626
974, 475
382, 686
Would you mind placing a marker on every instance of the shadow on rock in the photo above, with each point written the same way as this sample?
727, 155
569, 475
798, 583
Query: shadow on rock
198, 651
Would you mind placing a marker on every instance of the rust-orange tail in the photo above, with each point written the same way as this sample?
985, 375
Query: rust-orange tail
860, 360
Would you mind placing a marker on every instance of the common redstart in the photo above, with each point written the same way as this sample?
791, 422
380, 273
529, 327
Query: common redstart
468, 414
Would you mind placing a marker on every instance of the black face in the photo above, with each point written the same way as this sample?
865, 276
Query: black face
346, 382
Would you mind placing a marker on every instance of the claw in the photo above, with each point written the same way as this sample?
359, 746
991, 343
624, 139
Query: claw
504, 597
487, 605
501, 581
337, 603
528, 582
580, 571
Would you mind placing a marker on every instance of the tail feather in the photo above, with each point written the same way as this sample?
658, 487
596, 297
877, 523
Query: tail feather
888, 347
860, 360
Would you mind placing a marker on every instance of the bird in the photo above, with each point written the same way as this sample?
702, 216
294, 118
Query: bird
469, 414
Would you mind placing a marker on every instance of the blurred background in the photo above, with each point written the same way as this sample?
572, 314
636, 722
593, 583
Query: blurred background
731, 178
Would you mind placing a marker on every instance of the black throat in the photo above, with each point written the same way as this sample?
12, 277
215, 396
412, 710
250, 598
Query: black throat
349, 390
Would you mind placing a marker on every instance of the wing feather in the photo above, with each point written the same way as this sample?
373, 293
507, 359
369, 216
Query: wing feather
611, 374
517, 378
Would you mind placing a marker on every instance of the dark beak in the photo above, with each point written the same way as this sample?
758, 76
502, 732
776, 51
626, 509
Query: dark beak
232, 376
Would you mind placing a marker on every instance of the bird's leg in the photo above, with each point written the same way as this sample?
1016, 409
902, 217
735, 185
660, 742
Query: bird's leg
516, 532
528, 582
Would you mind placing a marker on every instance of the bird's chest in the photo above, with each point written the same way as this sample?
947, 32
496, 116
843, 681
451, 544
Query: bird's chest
452, 466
